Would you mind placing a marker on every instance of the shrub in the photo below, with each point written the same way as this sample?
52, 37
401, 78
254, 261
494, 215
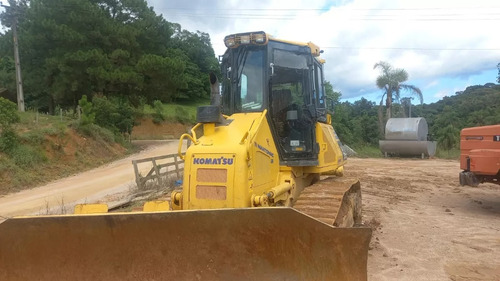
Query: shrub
26, 156
449, 137
34, 137
8, 116
182, 115
8, 113
158, 115
113, 114
96, 132
88, 116
124, 117
8, 140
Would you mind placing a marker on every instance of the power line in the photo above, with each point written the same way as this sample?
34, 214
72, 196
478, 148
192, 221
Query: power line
274, 17
490, 13
413, 48
400, 48
328, 9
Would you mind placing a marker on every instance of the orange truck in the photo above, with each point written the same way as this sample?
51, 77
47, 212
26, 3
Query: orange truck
480, 155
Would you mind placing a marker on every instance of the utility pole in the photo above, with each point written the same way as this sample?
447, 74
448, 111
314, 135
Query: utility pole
409, 101
19, 81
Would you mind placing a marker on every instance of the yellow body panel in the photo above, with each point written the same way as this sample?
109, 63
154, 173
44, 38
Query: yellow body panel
228, 180
91, 208
330, 157
235, 164
156, 206
315, 49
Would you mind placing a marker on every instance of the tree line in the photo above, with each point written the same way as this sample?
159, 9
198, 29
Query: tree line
111, 48
357, 123
120, 54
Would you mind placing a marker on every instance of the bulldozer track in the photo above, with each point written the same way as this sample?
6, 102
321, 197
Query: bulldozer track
334, 201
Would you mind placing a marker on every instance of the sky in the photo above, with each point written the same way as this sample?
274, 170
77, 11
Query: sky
444, 45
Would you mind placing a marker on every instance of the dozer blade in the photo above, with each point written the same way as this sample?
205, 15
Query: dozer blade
230, 244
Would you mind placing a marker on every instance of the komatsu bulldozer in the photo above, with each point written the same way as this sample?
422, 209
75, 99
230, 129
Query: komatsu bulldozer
262, 198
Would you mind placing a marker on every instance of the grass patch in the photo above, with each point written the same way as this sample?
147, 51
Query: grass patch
184, 112
452, 154
367, 152
26, 156
49, 148
96, 132
33, 120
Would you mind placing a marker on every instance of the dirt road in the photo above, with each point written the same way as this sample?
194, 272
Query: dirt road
428, 227
88, 187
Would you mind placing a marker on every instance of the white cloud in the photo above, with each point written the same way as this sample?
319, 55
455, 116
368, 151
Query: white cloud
441, 94
431, 39
431, 84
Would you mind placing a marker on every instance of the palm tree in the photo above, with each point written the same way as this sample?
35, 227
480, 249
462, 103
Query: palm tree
391, 81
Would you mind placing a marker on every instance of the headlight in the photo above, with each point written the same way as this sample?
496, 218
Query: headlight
260, 38
245, 39
229, 41
250, 38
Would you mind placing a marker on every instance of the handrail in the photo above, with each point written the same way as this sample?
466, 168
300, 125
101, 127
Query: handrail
194, 140
249, 136
193, 131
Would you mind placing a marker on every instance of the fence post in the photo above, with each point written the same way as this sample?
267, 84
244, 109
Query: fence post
177, 167
79, 112
157, 171
137, 176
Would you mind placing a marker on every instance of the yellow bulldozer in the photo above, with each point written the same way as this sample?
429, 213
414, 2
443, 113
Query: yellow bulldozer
262, 198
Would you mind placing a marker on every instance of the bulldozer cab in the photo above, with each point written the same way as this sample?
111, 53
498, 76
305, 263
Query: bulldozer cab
286, 79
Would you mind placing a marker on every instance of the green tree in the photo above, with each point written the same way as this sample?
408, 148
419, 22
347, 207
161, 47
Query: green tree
88, 114
475, 106
114, 114
332, 96
7, 76
164, 76
8, 117
498, 77
112, 48
8, 114
391, 81
449, 137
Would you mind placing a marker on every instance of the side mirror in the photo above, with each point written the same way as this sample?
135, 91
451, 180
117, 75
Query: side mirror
330, 105
214, 90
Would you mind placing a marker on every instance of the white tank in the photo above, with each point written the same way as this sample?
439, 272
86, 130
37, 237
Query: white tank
414, 129
408, 148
